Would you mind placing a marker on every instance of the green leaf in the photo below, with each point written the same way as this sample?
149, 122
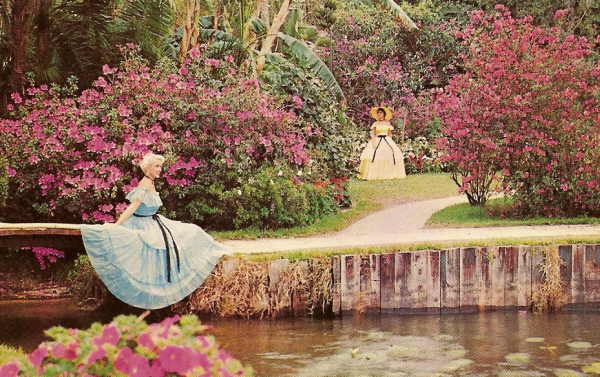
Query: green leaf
290, 27
310, 60
258, 27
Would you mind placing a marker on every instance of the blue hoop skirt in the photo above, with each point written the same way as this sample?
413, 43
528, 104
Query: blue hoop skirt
131, 259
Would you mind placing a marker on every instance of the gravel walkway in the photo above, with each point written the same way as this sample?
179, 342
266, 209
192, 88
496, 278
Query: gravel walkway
404, 223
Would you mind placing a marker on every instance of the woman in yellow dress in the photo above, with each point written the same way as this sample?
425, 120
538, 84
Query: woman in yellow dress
381, 159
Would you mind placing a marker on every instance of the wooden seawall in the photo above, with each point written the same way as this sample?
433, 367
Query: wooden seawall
460, 279
456, 280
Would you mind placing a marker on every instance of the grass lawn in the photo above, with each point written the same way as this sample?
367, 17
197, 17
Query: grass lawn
367, 197
464, 215
421, 246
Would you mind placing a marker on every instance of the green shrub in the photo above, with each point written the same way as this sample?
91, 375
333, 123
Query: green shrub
277, 198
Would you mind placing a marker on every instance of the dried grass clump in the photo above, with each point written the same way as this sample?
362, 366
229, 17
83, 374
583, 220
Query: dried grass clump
248, 292
310, 280
549, 296
243, 292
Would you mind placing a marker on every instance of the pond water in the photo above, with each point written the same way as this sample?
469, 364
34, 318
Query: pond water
481, 344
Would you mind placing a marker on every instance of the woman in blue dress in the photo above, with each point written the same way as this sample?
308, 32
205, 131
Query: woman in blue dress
145, 259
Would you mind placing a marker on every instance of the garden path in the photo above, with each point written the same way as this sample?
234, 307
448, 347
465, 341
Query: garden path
404, 224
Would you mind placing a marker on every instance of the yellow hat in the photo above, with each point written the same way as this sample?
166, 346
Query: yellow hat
388, 112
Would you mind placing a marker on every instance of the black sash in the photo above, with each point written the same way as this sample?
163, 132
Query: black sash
382, 137
164, 230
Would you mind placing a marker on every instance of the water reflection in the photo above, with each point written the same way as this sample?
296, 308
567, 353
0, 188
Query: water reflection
480, 344
390, 345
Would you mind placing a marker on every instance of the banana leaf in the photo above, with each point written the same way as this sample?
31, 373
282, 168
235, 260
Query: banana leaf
290, 27
311, 61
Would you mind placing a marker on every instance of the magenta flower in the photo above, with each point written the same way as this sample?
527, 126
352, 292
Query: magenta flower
16, 97
106, 70
195, 53
156, 369
167, 323
175, 359
123, 360
38, 356
110, 335
198, 359
9, 370
62, 352
145, 340
297, 102
139, 366
98, 354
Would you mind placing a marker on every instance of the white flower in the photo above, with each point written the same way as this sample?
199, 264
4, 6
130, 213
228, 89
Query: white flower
239, 192
272, 182
299, 173
280, 173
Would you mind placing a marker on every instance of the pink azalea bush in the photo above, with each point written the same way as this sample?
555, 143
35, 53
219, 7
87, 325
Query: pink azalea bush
71, 158
177, 346
378, 62
525, 113
45, 255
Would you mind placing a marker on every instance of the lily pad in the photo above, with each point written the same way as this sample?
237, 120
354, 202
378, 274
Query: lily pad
518, 358
579, 344
566, 373
457, 364
535, 340
521, 373
399, 352
444, 338
592, 368
569, 359
456, 353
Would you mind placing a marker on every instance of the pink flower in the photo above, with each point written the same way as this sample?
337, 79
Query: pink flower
16, 97
124, 111
38, 356
175, 359
97, 354
228, 59
123, 360
297, 102
212, 62
145, 340
9, 370
132, 364
11, 172
110, 335
60, 351
106, 70
195, 53
101, 83
561, 13
183, 71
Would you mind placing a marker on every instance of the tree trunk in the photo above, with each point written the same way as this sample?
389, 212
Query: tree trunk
22, 15
190, 28
43, 27
267, 44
